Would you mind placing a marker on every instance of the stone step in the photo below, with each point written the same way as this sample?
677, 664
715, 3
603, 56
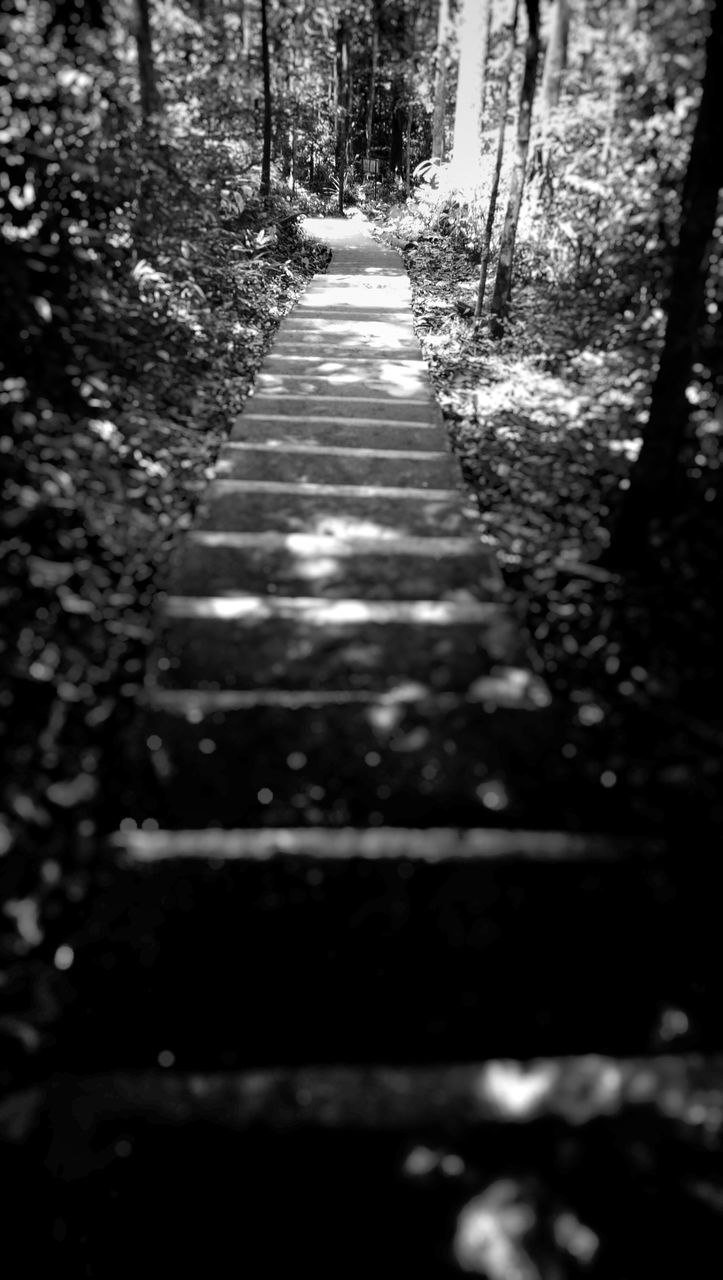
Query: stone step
332, 644
341, 465
353, 345
342, 511
332, 326
398, 385
345, 433
426, 568
291, 957
393, 369
325, 306
382, 408
370, 264
449, 1098
409, 846
276, 757
330, 298
370, 1169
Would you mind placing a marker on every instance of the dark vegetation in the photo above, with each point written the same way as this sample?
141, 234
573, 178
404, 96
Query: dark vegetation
151, 243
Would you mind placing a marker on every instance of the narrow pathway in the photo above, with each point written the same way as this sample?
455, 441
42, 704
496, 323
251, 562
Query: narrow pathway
348, 908
352, 853
335, 648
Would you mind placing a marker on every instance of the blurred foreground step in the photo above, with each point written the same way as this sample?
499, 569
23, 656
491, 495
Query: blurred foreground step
230, 950
304, 642
280, 757
334, 567
447, 1099
609, 1164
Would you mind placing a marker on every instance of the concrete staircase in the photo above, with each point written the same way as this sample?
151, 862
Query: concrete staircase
350, 853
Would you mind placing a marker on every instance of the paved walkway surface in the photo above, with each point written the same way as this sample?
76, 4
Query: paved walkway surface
342, 866
351, 853
335, 648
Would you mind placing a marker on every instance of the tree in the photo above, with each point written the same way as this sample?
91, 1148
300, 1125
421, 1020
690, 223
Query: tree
150, 97
265, 187
503, 278
473, 34
342, 104
658, 476
494, 189
554, 66
440, 82
555, 58
374, 60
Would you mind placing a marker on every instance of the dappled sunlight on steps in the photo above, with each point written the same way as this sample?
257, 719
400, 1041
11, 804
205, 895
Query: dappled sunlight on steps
346, 846
340, 937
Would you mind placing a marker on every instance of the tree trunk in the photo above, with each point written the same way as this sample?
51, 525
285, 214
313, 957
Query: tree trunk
494, 191
555, 59
265, 188
555, 63
150, 98
396, 150
474, 26
372, 81
440, 82
408, 149
342, 72
503, 278
658, 475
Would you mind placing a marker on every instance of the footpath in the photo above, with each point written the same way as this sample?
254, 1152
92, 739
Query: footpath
351, 849
351, 853
335, 649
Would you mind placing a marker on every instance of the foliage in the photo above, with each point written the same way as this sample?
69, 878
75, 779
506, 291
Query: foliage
144, 280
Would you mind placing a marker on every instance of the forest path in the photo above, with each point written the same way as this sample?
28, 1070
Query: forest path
333, 615
350, 853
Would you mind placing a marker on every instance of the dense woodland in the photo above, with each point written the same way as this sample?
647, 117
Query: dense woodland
551, 174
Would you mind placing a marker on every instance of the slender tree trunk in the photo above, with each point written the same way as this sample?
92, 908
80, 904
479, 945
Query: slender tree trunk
658, 475
247, 33
555, 58
615, 34
342, 72
349, 101
554, 66
440, 82
396, 150
503, 278
372, 81
408, 148
265, 188
220, 16
494, 191
474, 26
150, 97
